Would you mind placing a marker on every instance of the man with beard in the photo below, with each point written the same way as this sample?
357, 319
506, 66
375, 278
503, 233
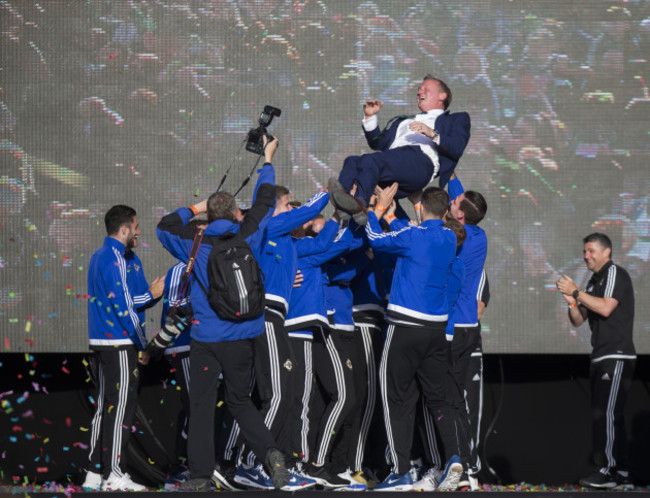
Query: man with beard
119, 294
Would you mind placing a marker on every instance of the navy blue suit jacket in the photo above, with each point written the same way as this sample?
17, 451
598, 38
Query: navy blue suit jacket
454, 136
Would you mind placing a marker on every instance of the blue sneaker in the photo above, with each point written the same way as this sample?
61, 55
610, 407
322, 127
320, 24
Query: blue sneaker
253, 477
451, 476
298, 482
173, 481
396, 482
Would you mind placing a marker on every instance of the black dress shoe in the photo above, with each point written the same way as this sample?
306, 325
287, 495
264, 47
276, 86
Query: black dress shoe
346, 203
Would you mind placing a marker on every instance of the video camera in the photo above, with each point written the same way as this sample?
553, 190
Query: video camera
255, 141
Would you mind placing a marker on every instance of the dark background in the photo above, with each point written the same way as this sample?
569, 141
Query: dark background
536, 420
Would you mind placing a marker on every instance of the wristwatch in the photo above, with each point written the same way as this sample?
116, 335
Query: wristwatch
575, 294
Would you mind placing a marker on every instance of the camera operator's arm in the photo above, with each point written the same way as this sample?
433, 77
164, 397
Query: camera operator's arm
267, 173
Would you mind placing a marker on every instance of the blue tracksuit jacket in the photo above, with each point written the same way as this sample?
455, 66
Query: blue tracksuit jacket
119, 294
424, 257
277, 256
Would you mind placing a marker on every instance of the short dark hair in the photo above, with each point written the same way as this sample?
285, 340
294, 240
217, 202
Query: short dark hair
435, 201
221, 206
458, 228
473, 207
603, 240
197, 222
117, 216
281, 190
443, 86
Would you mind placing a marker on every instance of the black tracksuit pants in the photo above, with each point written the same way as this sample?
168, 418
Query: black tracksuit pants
422, 354
467, 365
611, 379
235, 360
117, 400
274, 378
333, 370
180, 364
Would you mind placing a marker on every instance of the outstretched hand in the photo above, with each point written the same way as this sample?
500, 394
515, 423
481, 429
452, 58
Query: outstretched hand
386, 195
157, 287
270, 146
372, 107
384, 199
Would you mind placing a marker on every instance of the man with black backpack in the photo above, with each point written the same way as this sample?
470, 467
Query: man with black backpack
223, 330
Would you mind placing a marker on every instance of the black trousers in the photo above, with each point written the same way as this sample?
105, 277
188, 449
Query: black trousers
422, 354
467, 365
116, 402
350, 447
296, 426
235, 360
180, 367
333, 370
346, 441
274, 373
610, 383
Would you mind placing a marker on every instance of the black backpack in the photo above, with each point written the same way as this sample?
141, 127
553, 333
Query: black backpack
236, 281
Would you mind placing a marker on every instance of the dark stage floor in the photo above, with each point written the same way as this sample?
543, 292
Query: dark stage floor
494, 490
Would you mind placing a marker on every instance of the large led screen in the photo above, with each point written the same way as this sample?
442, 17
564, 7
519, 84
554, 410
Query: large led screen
148, 103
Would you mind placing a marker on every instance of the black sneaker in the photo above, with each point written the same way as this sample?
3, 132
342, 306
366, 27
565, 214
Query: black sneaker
324, 477
598, 480
200, 484
624, 483
223, 476
277, 469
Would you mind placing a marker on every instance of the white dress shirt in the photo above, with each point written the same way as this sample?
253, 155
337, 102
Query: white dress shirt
405, 136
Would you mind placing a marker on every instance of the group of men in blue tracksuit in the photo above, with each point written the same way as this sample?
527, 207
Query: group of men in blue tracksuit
355, 336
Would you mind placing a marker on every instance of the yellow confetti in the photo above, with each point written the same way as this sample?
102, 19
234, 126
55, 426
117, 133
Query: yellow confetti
83, 429
26, 356
220, 404
28, 326
151, 461
46, 440
84, 362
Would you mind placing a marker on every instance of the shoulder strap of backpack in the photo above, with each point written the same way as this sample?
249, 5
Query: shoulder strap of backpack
185, 278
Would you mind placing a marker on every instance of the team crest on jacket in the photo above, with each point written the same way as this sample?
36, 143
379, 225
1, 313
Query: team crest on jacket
288, 365
348, 363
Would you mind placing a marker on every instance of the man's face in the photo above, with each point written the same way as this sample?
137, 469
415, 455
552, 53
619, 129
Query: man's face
133, 234
430, 96
282, 205
454, 209
595, 256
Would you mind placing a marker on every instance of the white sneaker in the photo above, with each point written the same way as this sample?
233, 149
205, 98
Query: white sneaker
93, 481
429, 481
347, 475
121, 483
473, 483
